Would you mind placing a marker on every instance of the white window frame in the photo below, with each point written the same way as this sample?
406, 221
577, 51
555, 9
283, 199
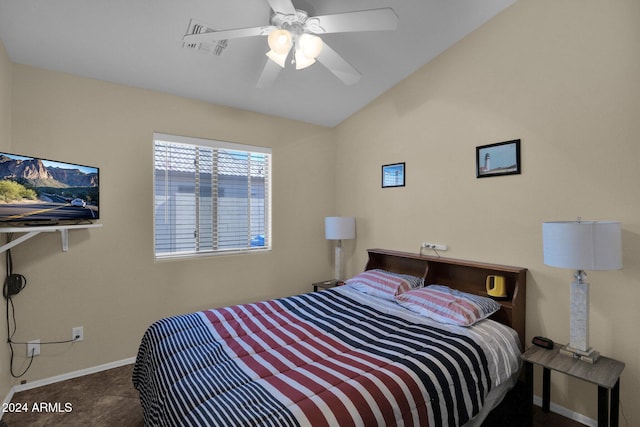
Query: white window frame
167, 209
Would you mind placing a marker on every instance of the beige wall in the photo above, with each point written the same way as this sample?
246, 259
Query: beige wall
108, 281
564, 78
5, 144
5, 98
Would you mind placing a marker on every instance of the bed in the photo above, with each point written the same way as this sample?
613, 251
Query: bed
340, 356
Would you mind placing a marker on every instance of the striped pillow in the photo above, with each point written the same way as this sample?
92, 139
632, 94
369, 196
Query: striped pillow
447, 305
379, 283
414, 281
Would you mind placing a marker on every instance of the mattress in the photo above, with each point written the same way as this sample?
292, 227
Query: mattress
336, 357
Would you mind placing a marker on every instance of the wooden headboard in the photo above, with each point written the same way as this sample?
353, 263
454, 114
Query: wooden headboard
466, 276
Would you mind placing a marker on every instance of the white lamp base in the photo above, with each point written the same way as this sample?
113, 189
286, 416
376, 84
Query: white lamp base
337, 274
578, 346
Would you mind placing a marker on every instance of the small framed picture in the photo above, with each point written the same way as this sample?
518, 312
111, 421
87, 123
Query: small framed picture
498, 159
393, 175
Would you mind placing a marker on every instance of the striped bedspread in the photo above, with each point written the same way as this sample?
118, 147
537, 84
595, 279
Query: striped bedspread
320, 359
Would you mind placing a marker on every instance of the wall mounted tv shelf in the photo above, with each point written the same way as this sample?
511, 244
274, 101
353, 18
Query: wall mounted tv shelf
34, 231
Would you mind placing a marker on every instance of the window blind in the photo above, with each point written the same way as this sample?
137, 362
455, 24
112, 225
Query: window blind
210, 197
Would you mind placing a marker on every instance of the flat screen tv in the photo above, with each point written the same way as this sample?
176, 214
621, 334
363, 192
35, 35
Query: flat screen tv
36, 191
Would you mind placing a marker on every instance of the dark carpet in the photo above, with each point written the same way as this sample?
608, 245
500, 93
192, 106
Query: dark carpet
105, 398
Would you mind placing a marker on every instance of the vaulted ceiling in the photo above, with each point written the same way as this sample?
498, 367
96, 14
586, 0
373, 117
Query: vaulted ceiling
139, 43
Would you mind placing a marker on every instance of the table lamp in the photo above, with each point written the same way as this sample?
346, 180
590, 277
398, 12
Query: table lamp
339, 228
582, 245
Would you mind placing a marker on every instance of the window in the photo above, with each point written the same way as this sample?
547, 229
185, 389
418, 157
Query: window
211, 197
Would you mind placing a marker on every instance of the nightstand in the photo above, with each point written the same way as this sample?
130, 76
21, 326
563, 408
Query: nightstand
605, 373
324, 285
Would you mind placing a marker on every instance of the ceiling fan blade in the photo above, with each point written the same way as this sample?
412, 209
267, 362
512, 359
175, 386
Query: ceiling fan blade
282, 6
269, 74
338, 66
363, 20
213, 36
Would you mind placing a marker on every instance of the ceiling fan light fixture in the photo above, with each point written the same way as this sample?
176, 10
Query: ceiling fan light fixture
278, 58
280, 41
310, 44
302, 60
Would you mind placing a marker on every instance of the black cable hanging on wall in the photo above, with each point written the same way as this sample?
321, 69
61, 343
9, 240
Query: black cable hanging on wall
13, 284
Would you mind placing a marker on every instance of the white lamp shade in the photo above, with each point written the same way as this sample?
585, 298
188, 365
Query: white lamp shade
280, 41
339, 227
277, 57
582, 245
311, 45
303, 61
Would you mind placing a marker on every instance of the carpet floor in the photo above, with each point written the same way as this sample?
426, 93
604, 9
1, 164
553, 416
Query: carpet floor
105, 398
108, 399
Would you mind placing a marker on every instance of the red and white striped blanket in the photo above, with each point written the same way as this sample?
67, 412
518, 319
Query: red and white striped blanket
318, 359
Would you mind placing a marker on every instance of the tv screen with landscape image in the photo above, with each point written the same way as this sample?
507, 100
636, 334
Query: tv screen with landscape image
35, 191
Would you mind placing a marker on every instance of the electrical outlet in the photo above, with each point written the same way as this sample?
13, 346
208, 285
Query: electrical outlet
33, 348
427, 245
77, 333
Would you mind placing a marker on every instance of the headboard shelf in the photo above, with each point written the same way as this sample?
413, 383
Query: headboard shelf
466, 276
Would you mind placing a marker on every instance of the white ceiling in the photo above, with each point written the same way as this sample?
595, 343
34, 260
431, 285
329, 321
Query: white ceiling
139, 43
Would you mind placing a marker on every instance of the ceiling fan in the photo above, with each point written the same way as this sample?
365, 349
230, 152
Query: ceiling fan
293, 36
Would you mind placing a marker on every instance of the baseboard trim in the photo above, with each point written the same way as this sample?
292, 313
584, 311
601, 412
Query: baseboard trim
567, 413
64, 377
